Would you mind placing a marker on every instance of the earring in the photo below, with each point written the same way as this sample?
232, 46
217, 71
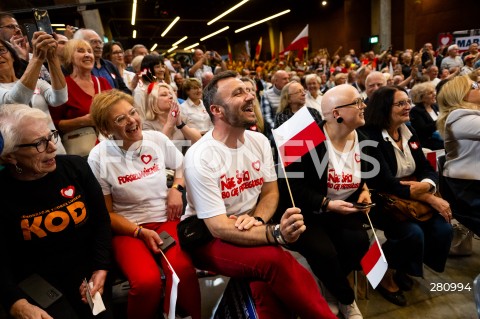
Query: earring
19, 170
339, 119
110, 136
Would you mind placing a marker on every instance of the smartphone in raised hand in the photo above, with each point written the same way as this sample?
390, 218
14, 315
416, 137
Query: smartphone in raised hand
42, 20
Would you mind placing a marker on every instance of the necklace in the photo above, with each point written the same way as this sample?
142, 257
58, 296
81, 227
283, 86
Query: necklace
399, 137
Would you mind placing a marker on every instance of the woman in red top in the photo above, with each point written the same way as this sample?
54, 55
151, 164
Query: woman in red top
73, 118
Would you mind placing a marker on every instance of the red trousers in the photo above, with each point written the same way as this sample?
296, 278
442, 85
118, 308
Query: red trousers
281, 287
140, 267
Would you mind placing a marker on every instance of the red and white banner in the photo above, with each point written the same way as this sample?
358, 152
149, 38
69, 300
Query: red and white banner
374, 264
258, 49
299, 44
297, 136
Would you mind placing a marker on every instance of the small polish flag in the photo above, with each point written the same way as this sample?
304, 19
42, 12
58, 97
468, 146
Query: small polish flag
374, 264
297, 136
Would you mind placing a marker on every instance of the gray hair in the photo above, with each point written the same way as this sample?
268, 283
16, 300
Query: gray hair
308, 77
11, 119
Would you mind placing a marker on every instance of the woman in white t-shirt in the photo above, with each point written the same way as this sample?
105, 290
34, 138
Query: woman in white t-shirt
328, 193
163, 114
131, 168
193, 109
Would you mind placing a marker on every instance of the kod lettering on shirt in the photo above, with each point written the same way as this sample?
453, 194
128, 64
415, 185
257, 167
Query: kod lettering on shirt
53, 220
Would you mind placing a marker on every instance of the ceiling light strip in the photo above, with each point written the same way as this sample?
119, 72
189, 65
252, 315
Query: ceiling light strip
227, 12
191, 46
215, 33
180, 41
134, 11
170, 26
262, 21
172, 48
134, 35
153, 47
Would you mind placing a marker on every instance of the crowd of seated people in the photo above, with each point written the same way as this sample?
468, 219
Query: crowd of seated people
388, 97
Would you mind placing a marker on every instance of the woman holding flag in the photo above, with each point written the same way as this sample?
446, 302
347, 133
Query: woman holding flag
329, 189
130, 167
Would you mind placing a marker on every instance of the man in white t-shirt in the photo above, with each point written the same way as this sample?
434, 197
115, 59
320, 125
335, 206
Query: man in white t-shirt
232, 185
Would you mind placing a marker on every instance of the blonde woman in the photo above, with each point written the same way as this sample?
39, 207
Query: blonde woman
459, 125
162, 113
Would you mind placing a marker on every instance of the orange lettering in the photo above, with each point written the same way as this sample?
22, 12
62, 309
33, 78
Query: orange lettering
50, 226
34, 228
77, 218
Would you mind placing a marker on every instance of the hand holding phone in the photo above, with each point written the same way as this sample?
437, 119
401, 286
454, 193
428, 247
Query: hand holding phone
168, 241
42, 20
363, 205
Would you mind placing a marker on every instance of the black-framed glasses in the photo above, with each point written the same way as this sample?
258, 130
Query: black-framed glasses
403, 103
121, 120
11, 26
358, 103
42, 144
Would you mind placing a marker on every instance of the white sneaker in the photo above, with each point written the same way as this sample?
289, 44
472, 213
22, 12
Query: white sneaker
330, 299
350, 311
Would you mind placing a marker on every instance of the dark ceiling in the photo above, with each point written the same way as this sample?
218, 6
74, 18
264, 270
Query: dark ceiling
153, 16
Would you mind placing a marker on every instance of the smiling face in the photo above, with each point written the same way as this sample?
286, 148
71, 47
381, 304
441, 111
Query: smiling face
313, 86
117, 55
429, 98
296, 96
124, 123
159, 70
6, 60
97, 44
195, 93
353, 116
236, 103
34, 165
13, 28
400, 114
83, 58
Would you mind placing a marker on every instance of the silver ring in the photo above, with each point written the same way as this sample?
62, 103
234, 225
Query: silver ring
294, 226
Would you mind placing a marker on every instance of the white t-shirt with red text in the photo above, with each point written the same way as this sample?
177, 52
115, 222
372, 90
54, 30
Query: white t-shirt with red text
136, 179
222, 180
344, 170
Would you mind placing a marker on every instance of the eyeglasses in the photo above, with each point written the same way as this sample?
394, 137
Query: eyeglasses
403, 103
117, 52
121, 120
303, 92
11, 26
42, 145
358, 103
475, 85
3, 50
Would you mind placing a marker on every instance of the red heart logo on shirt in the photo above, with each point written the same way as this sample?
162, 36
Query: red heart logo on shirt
146, 158
256, 165
68, 192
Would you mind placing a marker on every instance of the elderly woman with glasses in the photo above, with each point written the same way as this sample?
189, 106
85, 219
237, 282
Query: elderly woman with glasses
459, 124
410, 243
331, 193
54, 221
130, 167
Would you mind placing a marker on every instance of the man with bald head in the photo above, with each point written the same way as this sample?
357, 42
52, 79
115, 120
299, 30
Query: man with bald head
271, 97
373, 82
102, 67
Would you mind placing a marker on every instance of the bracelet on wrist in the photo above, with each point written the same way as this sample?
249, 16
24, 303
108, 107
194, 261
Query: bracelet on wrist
267, 230
181, 125
277, 235
260, 219
323, 209
137, 231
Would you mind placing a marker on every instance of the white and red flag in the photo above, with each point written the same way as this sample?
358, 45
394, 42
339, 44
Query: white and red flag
297, 136
299, 44
374, 264
258, 49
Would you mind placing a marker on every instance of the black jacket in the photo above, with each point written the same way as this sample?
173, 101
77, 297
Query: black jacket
425, 126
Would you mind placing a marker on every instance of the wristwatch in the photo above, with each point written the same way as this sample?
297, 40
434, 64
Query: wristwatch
181, 125
178, 187
260, 219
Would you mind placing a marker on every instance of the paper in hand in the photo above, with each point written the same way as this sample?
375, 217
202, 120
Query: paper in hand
95, 302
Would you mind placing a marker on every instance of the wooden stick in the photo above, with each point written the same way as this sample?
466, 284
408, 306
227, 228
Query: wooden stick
376, 238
